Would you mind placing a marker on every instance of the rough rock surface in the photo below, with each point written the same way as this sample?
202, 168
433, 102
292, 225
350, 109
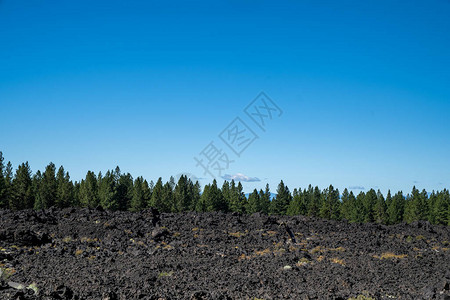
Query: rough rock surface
96, 254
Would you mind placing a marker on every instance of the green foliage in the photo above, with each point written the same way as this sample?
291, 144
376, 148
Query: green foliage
118, 191
254, 202
183, 194
48, 186
346, 205
298, 205
238, 201
124, 190
22, 192
330, 208
416, 207
88, 194
380, 214
64, 189
440, 209
314, 203
357, 213
107, 191
141, 194
3, 186
281, 202
156, 200
265, 199
369, 206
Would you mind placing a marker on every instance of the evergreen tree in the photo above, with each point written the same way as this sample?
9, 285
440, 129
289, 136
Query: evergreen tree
388, 199
369, 206
226, 193
238, 199
157, 197
48, 187
182, 197
280, 204
195, 191
396, 209
416, 207
167, 198
35, 187
330, 208
380, 214
346, 205
357, 210
314, 202
64, 190
88, 191
441, 208
254, 203
215, 200
76, 194
9, 174
297, 205
22, 189
107, 191
124, 191
265, 198
3, 185
138, 200
202, 202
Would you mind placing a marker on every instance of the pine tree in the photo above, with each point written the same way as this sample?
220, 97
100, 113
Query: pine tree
388, 199
3, 185
202, 202
167, 198
416, 207
265, 198
380, 208
369, 206
124, 191
226, 193
182, 197
22, 189
147, 193
238, 200
330, 208
138, 199
346, 205
314, 202
297, 205
48, 187
157, 197
254, 203
357, 209
88, 193
107, 191
281, 202
215, 200
441, 208
395, 210
35, 187
194, 190
64, 190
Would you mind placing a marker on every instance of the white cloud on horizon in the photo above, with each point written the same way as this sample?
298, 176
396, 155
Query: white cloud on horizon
357, 188
240, 177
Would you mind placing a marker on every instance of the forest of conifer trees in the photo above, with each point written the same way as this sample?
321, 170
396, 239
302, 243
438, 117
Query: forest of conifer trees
114, 190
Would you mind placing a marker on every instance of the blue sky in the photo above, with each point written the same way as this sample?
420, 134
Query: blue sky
363, 86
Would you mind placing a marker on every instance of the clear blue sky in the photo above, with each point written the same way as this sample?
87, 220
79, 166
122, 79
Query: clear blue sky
364, 87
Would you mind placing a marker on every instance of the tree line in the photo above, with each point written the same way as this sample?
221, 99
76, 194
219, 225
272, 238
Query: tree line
115, 190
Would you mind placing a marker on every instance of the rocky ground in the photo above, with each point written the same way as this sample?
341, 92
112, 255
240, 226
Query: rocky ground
96, 254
